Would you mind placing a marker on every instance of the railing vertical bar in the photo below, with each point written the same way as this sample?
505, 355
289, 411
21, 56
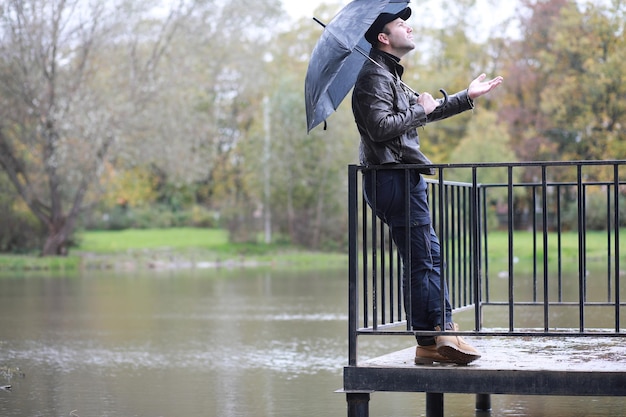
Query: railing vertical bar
559, 243
456, 247
475, 244
616, 221
440, 226
585, 192
432, 203
468, 221
485, 244
584, 236
400, 292
456, 258
448, 251
442, 247
450, 242
374, 264
460, 246
448, 265
544, 220
510, 248
383, 275
581, 249
366, 231
391, 278
609, 252
407, 244
353, 266
534, 214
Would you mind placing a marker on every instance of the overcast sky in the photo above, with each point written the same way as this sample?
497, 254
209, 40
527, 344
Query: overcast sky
303, 8
487, 13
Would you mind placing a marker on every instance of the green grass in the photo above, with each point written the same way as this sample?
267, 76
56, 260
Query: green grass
523, 243
596, 249
197, 244
150, 247
112, 242
37, 263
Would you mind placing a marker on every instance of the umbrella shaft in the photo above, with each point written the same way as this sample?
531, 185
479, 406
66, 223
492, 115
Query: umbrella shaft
320, 22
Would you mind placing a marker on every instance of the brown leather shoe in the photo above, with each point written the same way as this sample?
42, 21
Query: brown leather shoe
426, 355
455, 349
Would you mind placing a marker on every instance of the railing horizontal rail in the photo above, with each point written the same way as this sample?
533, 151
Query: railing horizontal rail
498, 333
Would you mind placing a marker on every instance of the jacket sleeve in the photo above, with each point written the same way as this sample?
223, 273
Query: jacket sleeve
385, 110
457, 103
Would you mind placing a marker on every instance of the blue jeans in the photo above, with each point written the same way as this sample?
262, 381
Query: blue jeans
425, 251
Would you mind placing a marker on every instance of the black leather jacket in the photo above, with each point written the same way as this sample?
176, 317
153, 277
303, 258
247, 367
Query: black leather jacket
387, 115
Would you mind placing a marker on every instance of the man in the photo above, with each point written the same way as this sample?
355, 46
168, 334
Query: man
387, 115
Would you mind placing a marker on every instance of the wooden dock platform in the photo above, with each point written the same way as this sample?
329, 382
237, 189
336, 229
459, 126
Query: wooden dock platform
585, 366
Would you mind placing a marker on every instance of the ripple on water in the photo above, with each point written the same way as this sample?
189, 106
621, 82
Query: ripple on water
290, 356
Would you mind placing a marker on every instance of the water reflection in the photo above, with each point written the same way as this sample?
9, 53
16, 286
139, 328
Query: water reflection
201, 343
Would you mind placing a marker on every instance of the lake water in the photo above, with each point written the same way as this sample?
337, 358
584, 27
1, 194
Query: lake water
223, 343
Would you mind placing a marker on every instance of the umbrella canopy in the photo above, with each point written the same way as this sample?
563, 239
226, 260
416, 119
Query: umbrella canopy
339, 55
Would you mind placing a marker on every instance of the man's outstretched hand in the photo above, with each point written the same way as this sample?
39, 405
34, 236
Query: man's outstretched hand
480, 87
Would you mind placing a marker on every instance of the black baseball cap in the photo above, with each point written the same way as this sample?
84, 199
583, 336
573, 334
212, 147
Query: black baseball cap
377, 27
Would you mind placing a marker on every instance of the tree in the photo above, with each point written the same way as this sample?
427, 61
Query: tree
586, 105
208, 107
565, 78
62, 107
308, 171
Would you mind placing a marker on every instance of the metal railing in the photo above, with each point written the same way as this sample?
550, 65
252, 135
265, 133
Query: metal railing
515, 253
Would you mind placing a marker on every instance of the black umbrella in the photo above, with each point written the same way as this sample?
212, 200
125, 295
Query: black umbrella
339, 55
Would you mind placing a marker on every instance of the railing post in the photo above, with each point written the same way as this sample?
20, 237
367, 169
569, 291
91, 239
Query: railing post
353, 257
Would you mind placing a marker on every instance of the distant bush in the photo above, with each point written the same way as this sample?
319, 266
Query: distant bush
20, 231
150, 217
597, 212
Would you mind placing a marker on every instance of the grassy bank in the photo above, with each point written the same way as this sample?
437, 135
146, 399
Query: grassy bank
523, 242
168, 248
525, 257
184, 247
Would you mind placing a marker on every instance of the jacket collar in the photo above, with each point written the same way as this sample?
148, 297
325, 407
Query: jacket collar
391, 62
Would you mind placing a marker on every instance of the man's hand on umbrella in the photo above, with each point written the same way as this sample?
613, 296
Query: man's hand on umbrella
480, 87
427, 101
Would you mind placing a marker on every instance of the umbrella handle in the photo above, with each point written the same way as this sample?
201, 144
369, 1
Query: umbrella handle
443, 101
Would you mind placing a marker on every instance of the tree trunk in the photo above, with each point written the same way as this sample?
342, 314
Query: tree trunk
291, 229
57, 242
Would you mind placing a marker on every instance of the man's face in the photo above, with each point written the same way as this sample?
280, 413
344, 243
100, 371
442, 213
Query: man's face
399, 36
